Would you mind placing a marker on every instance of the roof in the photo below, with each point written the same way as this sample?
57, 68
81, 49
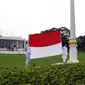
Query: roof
12, 38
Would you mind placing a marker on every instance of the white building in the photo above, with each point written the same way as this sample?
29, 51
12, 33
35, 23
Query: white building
11, 44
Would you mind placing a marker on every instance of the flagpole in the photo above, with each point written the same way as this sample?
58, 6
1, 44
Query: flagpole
72, 41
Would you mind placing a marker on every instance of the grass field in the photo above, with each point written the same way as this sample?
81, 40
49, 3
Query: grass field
19, 60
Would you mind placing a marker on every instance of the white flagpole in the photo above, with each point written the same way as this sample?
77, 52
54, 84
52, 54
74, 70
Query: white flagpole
72, 41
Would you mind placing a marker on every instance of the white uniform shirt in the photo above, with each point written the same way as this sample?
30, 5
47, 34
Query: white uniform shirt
28, 48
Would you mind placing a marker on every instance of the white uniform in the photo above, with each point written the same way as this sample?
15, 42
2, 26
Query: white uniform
64, 53
28, 53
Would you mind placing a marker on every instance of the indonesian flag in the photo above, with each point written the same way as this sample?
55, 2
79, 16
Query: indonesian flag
46, 44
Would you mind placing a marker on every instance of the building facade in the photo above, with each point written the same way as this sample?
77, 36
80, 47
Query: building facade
12, 43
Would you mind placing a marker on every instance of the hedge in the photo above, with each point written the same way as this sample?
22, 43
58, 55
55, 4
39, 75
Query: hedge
68, 74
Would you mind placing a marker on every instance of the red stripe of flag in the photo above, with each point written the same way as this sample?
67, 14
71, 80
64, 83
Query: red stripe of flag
46, 39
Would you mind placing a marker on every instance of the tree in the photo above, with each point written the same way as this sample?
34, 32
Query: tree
81, 43
65, 32
50, 30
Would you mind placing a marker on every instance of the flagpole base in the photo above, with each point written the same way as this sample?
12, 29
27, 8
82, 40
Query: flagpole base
72, 61
73, 51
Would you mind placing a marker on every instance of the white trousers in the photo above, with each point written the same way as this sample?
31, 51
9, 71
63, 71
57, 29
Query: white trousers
64, 57
27, 59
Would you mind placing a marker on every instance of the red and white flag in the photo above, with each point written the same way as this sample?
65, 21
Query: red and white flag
44, 45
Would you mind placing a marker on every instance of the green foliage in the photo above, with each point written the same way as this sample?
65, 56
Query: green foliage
81, 43
67, 74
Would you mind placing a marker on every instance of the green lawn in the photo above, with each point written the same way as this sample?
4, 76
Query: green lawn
19, 60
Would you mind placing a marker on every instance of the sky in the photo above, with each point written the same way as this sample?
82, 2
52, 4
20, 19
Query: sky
23, 17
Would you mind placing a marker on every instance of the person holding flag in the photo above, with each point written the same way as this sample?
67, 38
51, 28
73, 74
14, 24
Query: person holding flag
28, 53
64, 53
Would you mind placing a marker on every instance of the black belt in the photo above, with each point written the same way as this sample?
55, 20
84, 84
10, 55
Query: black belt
29, 53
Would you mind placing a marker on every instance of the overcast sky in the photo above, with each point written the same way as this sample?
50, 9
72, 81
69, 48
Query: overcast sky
23, 17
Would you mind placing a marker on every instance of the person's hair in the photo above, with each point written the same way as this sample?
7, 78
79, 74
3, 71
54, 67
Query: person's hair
26, 42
